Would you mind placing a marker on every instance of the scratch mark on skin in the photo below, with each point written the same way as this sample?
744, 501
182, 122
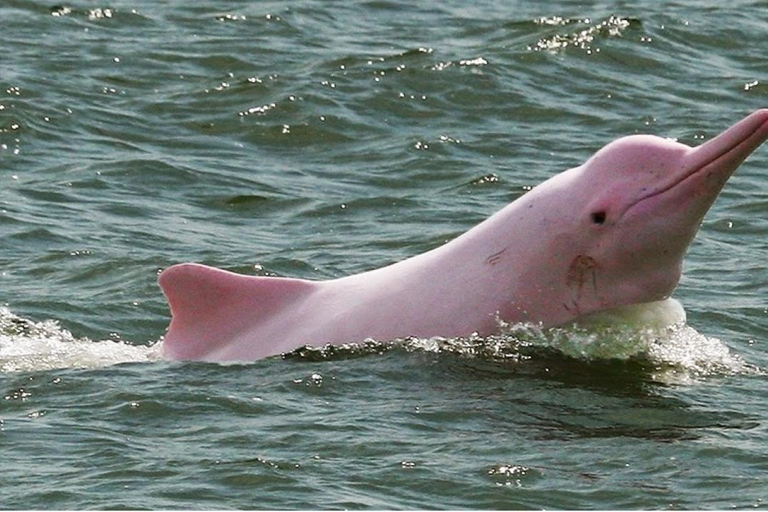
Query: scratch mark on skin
580, 272
495, 257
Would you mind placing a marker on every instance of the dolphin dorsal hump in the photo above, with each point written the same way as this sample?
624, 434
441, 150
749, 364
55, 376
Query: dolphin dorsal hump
210, 307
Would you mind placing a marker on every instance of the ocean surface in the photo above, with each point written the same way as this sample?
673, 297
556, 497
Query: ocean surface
320, 139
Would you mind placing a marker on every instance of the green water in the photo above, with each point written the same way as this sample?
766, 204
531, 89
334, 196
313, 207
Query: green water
321, 139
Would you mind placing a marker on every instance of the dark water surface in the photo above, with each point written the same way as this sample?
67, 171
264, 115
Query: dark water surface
321, 139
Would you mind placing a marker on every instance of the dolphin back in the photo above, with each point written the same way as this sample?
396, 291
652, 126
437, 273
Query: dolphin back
214, 310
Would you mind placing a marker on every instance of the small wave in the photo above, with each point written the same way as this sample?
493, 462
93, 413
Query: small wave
38, 346
654, 334
614, 26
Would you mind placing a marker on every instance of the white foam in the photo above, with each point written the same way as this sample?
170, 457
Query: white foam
31, 346
650, 315
656, 333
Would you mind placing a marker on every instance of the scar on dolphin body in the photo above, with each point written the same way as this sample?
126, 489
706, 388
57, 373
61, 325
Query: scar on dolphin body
495, 257
580, 272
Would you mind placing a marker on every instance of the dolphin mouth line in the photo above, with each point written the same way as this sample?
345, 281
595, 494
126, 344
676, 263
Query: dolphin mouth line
700, 167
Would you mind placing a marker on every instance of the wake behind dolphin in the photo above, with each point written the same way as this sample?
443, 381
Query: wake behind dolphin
26, 345
607, 234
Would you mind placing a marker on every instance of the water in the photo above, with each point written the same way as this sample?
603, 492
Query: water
322, 139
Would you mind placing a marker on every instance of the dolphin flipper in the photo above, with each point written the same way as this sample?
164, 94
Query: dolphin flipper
211, 307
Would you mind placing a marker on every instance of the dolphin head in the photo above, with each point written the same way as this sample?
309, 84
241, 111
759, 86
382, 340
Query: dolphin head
624, 220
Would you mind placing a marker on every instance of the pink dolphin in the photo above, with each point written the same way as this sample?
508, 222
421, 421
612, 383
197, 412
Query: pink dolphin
609, 233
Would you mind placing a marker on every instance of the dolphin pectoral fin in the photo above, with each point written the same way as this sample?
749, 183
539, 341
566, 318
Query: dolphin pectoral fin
214, 308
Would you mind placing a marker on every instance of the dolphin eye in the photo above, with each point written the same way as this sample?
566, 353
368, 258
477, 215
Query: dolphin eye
598, 217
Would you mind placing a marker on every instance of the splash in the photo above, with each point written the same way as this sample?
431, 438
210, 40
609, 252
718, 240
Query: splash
37, 346
655, 334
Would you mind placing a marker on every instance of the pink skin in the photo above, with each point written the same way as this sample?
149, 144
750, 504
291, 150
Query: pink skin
611, 232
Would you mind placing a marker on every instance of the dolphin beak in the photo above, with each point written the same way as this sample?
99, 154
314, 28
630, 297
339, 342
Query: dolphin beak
723, 154
706, 168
